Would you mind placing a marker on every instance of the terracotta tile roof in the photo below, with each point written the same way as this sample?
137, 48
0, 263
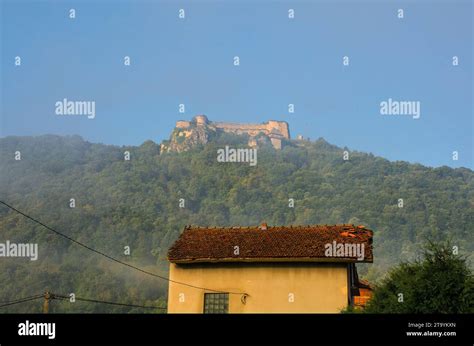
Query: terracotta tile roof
266, 243
365, 284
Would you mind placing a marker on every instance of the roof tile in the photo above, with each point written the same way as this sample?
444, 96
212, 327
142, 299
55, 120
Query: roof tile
277, 243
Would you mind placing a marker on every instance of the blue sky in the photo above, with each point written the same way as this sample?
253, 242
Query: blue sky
282, 61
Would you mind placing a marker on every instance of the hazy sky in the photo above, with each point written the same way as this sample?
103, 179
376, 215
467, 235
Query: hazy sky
282, 61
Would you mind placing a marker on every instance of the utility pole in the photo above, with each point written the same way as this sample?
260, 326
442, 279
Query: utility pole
47, 297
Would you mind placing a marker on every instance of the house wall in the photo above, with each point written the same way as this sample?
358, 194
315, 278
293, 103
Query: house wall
363, 299
316, 287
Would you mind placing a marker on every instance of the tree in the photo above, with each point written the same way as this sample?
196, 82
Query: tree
440, 283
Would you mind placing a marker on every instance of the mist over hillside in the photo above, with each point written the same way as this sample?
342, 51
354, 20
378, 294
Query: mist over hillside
145, 202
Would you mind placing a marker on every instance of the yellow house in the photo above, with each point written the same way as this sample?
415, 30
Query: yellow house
284, 269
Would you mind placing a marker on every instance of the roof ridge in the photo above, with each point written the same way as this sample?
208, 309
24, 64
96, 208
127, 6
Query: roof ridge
292, 226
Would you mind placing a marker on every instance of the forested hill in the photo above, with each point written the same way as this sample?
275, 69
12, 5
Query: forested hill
136, 203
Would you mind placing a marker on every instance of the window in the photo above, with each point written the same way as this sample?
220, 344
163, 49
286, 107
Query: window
216, 303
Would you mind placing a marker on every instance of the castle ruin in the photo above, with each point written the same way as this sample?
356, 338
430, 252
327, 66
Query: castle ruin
276, 131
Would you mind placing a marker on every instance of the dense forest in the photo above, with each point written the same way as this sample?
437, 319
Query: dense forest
137, 203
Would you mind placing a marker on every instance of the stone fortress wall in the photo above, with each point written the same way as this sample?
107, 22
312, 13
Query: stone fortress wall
181, 124
275, 130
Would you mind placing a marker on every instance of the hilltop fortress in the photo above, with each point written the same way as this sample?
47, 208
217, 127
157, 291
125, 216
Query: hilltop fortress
198, 128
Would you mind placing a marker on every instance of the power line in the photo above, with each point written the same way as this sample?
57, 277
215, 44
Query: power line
11, 301
110, 257
63, 297
22, 300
